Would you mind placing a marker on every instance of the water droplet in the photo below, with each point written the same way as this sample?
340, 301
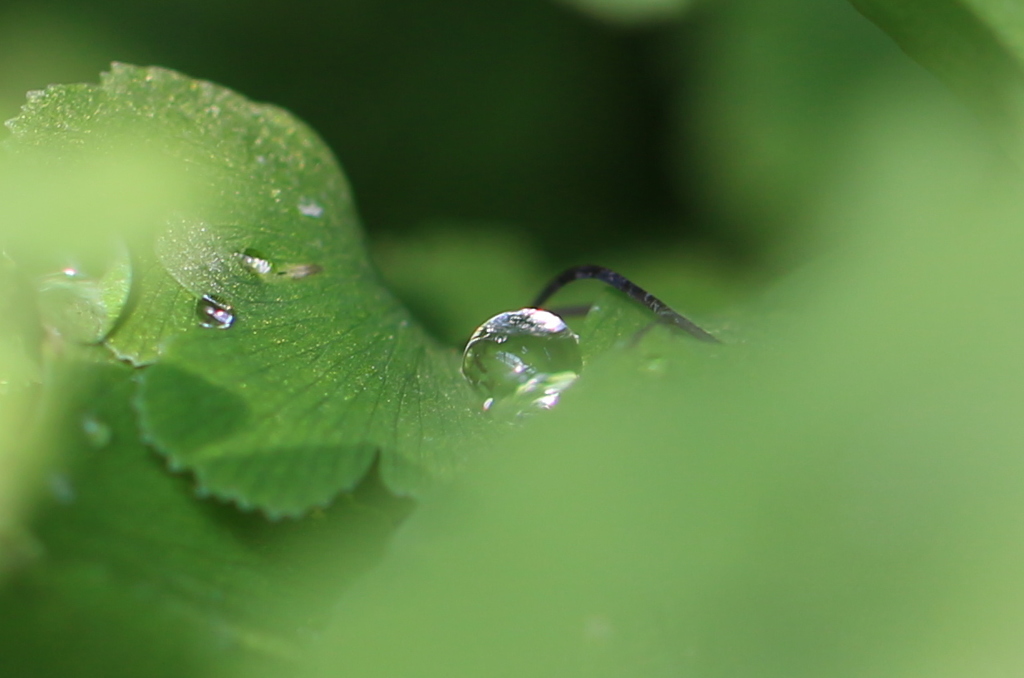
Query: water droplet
84, 307
96, 432
255, 262
527, 356
300, 271
214, 313
310, 208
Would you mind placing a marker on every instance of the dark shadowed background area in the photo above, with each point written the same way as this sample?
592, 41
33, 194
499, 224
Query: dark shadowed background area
581, 134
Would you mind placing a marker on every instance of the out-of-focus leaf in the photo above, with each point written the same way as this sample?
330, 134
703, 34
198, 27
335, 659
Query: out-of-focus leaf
133, 575
765, 100
975, 46
65, 195
19, 373
84, 308
311, 367
836, 500
20, 470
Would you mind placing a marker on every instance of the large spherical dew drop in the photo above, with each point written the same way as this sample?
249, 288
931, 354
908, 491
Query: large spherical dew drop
528, 355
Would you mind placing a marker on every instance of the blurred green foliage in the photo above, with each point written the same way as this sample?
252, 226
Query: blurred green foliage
975, 46
836, 498
834, 491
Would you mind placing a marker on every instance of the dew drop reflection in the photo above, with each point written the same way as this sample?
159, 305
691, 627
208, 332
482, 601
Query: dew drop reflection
214, 313
255, 262
528, 357
310, 208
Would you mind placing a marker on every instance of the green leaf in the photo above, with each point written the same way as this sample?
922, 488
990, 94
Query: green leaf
975, 46
133, 575
316, 368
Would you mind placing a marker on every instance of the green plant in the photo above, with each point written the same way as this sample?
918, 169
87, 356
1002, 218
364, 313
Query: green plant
831, 492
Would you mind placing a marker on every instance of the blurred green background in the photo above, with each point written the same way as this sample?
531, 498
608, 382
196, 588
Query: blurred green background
579, 134
834, 493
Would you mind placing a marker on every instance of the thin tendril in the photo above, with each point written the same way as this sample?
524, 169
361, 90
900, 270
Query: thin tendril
634, 291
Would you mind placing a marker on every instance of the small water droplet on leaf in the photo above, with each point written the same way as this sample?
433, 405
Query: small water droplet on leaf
214, 313
527, 356
310, 208
300, 271
255, 262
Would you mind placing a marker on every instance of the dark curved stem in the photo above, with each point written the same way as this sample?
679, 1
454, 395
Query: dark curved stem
635, 292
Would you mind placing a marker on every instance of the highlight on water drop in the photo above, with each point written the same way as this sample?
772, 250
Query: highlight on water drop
310, 208
300, 271
84, 306
213, 313
255, 262
529, 357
